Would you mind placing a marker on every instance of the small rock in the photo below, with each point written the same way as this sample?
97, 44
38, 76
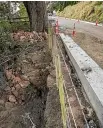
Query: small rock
45, 35
53, 73
15, 93
25, 61
40, 33
12, 98
2, 102
4, 114
13, 81
24, 84
31, 40
90, 112
22, 38
92, 124
8, 105
17, 86
17, 79
24, 77
13, 89
20, 101
18, 69
8, 74
7, 88
35, 33
13, 77
31, 35
2, 108
48, 67
16, 102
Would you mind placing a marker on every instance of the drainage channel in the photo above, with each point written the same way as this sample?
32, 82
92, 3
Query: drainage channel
80, 112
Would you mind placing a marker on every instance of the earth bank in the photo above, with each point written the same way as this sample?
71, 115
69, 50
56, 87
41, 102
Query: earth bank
30, 97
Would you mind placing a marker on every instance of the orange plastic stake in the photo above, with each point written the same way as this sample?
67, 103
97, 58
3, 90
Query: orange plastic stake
56, 28
96, 23
73, 33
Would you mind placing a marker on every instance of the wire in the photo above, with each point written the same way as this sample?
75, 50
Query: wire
69, 104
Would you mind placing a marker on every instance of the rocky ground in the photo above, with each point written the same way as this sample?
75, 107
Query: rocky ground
29, 97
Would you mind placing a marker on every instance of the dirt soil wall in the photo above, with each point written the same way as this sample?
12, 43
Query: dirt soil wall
30, 98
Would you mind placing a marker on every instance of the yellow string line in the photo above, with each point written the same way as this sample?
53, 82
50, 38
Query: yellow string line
61, 90
59, 79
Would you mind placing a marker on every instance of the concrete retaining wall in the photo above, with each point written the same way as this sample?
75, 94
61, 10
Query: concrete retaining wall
90, 74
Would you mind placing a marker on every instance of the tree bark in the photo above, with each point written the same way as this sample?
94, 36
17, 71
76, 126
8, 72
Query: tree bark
37, 15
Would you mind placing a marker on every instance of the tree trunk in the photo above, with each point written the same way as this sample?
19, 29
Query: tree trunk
37, 15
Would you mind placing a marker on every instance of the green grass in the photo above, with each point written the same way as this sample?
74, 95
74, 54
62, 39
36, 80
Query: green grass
89, 11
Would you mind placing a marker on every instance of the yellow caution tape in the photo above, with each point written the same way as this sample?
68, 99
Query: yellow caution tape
59, 77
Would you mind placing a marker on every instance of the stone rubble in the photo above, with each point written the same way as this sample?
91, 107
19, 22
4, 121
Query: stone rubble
29, 36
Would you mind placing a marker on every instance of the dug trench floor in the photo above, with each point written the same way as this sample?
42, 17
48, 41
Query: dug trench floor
86, 107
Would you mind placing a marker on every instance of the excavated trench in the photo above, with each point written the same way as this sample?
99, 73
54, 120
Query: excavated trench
88, 111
